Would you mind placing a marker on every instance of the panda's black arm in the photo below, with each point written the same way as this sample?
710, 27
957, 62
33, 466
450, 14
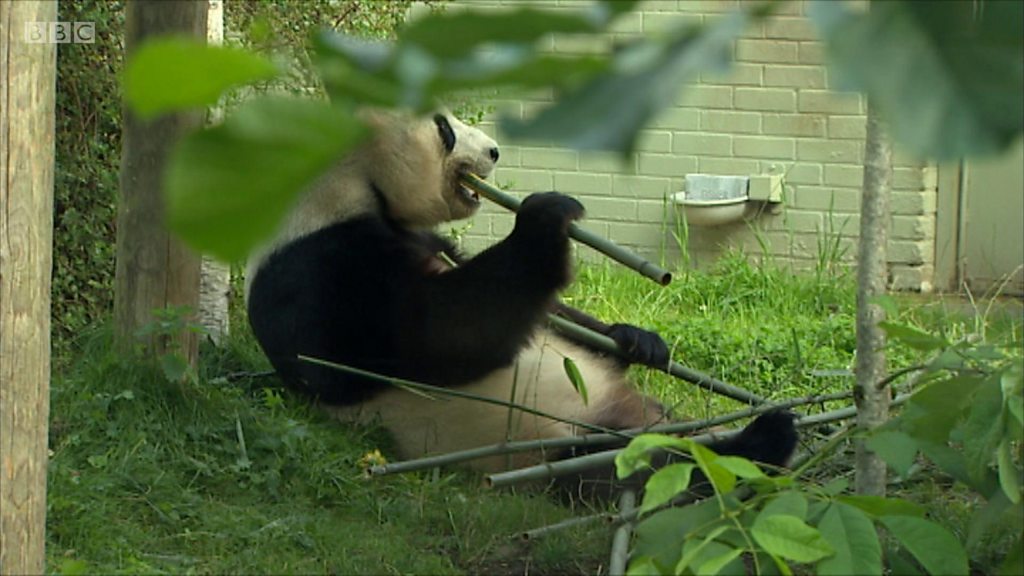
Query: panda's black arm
475, 318
637, 346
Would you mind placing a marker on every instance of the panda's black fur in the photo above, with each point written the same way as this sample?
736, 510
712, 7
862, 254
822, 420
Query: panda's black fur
354, 276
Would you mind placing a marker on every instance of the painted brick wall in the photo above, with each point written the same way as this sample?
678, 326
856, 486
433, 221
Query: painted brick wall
772, 112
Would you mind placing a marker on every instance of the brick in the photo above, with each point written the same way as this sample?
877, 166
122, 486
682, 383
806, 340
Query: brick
702, 144
766, 51
846, 175
731, 122
912, 278
827, 199
677, 119
847, 127
738, 74
554, 158
666, 164
908, 178
654, 141
828, 102
802, 173
634, 234
581, 183
912, 203
764, 147
800, 220
617, 209
629, 23
811, 53
653, 211
833, 151
608, 162
910, 252
635, 186
582, 44
695, 6
790, 28
661, 22
521, 179
794, 76
794, 125
766, 99
728, 166
913, 227
700, 96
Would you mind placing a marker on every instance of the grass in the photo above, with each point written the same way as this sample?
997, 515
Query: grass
242, 477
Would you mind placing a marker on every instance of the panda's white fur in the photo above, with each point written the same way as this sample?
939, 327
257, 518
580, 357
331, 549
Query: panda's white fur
351, 276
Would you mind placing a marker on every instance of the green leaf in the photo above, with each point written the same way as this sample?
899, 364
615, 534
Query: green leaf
1012, 383
643, 566
988, 516
665, 484
715, 564
789, 537
74, 567
637, 456
660, 535
740, 466
573, 372
693, 547
879, 506
932, 545
912, 336
851, 533
935, 409
789, 503
1009, 475
227, 187
948, 76
983, 431
897, 449
647, 76
174, 367
169, 74
721, 478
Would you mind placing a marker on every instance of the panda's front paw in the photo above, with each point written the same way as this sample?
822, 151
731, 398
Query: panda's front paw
640, 346
548, 214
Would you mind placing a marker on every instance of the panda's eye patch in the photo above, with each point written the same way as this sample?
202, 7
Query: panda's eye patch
446, 132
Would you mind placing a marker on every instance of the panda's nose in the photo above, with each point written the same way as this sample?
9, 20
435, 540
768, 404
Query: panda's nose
494, 153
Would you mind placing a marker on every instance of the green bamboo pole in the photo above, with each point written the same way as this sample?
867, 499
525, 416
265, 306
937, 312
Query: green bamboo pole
602, 245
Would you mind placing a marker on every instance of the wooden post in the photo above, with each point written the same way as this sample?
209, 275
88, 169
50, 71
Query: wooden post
27, 76
154, 270
872, 276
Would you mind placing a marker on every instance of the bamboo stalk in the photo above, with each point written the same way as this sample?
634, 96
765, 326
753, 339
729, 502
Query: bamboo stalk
564, 524
602, 245
620, 541
605, 344
591, 440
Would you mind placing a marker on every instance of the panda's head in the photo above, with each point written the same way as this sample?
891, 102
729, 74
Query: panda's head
414, 165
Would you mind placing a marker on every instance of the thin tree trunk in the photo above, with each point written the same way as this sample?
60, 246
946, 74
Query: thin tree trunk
872, 277
27, 77
215, 276
155, 271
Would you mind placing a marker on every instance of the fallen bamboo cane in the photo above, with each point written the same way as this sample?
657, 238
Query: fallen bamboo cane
602, 245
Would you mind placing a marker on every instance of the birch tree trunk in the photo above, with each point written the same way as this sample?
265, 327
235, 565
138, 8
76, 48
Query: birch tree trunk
215, 276
154, 270
872, 277
27, 77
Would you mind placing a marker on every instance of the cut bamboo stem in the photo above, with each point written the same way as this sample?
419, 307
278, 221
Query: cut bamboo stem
602, 245
620, 541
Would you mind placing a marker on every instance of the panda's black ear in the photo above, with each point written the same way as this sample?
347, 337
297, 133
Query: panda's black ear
444, 129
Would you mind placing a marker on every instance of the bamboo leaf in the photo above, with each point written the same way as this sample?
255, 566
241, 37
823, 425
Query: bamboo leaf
789, 537
168, 74
573, 372
853, 536
932, 545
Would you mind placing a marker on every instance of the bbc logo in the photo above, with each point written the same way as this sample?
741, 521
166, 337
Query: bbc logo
60, 32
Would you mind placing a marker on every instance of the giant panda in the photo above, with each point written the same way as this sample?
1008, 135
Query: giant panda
355, 275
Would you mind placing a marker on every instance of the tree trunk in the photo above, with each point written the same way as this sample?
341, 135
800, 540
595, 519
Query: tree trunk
155, 271
872, 276
215, 276
27, 76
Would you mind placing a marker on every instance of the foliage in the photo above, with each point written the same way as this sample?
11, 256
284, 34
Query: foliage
88, 152
971, 78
